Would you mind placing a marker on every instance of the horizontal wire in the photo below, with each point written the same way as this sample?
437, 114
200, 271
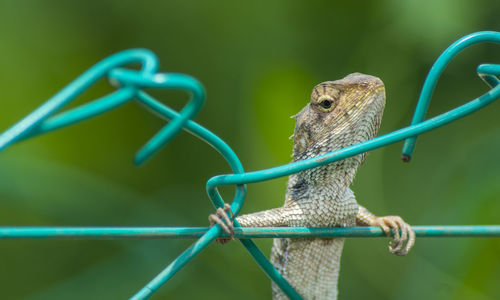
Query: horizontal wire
239, 233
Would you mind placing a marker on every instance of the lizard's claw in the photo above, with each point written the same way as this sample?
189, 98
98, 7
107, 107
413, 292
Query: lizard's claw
220, 217
407, 235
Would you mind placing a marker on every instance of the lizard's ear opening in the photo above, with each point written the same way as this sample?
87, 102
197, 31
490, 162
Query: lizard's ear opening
302, 136
300, 143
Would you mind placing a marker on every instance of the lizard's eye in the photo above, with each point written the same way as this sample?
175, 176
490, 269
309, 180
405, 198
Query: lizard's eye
326, 104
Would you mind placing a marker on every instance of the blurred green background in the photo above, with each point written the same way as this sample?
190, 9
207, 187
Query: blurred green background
258, 61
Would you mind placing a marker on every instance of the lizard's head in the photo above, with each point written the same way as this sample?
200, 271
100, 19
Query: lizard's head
341, 113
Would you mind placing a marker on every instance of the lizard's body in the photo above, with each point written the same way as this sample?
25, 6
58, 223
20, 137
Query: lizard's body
341, 113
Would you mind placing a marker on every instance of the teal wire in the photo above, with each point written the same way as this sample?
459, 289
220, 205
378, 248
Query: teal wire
149, 64
489, 73
82, 112
436, 71
239, 233
165, 81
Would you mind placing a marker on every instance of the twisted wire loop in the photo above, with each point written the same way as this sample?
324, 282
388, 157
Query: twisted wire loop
130, 84
487, 72
36, 122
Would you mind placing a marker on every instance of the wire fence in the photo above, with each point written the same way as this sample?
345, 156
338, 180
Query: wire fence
130, 84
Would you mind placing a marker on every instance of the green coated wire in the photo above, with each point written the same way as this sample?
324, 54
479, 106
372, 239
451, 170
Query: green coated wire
67, 94
130, 84
487, 72
239, 232
165, 81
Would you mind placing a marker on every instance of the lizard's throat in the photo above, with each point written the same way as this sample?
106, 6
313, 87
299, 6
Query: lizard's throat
332, 178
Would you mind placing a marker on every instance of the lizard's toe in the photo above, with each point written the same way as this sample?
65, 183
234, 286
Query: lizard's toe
403, 234
224, 221
410, 241
399, 238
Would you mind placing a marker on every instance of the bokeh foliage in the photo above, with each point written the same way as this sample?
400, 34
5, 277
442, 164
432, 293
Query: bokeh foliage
258, 61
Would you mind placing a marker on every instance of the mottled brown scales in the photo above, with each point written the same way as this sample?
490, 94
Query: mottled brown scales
341, 113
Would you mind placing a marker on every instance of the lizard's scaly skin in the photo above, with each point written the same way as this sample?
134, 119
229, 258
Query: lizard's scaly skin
341, 113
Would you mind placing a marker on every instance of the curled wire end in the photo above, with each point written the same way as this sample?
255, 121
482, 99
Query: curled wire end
405, 158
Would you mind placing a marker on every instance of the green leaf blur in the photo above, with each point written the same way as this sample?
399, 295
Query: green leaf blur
258, 61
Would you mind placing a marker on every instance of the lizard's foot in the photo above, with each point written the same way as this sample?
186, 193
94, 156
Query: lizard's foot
220, 217
395, 223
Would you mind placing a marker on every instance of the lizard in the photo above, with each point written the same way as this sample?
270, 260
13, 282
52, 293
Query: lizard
340, 113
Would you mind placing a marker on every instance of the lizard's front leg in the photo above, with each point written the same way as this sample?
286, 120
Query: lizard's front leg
407, 235
267, 218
